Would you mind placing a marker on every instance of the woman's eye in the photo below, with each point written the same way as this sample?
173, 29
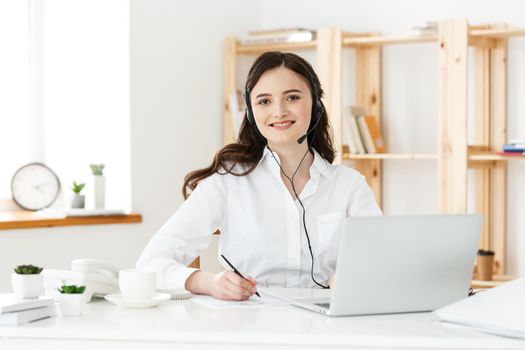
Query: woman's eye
264, 101
293, 97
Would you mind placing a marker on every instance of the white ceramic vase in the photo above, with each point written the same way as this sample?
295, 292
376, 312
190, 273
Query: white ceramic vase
71, 304
27, 286
100, 191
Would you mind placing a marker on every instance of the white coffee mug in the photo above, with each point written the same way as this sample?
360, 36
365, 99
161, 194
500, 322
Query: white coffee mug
137, 285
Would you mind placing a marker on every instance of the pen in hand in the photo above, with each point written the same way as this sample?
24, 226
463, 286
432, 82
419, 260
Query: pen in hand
236, 271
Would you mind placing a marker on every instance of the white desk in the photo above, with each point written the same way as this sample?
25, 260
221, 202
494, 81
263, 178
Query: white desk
189, 325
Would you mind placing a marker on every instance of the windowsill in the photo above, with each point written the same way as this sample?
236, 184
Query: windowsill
16, 219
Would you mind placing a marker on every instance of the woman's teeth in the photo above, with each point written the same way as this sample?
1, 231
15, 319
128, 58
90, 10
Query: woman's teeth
282, 124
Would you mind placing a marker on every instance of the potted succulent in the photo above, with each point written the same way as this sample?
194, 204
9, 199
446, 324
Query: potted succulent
27, 282
99, 187
79, 201
71, 300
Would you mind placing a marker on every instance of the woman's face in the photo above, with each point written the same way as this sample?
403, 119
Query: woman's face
282, 105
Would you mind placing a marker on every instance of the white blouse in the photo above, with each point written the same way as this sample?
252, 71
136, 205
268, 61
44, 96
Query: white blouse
261, 225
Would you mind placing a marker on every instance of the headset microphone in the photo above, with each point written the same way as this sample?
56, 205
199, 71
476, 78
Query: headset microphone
301, 139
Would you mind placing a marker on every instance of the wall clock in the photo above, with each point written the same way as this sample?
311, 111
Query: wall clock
35, 186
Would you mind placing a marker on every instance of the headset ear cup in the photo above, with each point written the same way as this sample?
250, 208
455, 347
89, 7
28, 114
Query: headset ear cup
249, 115
319, 111
247, 103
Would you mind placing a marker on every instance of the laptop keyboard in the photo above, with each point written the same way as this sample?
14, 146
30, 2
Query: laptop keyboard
325, 305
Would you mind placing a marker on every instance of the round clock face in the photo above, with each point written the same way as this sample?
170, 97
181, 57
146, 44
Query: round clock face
34, 186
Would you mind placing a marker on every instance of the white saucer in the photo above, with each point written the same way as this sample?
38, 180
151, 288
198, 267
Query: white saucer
117, 299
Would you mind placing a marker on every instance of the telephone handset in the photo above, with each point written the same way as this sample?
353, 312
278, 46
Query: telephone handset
99, 277
95, 266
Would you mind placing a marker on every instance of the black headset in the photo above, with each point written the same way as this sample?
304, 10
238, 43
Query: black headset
317, 108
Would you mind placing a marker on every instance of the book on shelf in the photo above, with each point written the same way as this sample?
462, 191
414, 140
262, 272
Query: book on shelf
366, 136
350, 132
426, 28
426, 25
293, 36
368, 132
372, 133
515, 154
24, 316
514, 147
237, 110
355, 142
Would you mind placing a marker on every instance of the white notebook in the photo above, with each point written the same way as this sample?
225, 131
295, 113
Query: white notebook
10, 303
499, 310
25, 316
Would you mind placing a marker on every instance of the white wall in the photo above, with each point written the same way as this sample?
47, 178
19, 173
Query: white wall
176, 112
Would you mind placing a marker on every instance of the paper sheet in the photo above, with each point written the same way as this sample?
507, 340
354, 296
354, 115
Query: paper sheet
500, 310
254, 302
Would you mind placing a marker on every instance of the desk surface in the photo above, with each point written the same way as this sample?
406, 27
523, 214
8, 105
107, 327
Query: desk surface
187, 324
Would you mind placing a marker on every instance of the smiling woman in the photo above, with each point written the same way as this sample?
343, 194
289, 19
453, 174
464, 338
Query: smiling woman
265, 193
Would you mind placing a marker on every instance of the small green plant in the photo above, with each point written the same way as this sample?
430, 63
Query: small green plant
97, 169
28, 270
77, 187
72, 289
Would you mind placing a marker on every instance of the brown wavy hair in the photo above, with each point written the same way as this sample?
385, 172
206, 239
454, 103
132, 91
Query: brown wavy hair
248, 149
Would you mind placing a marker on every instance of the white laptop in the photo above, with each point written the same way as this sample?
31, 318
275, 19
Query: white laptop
394, 264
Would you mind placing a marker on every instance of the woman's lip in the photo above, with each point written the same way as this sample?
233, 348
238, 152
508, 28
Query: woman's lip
282, 127
288, 124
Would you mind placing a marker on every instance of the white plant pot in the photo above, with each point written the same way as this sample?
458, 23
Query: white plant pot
78, 201
27, 286
71, 304
99, 191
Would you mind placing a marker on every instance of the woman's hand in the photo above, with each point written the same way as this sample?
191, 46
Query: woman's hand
226, 285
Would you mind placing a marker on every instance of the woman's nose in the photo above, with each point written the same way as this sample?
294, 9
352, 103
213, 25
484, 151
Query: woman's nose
280, 110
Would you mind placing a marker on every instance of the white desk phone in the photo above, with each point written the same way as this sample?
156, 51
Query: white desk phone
99, 277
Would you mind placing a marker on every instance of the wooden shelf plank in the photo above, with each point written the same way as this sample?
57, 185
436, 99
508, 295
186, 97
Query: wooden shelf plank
484, 156
256, 49
393, 156
26, 219
497, 281
387, 40
371, 40
499, 33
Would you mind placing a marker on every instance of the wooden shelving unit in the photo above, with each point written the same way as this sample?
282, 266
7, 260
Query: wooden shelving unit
455, 157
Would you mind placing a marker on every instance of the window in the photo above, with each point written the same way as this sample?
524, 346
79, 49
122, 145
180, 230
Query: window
14, 90
68, 65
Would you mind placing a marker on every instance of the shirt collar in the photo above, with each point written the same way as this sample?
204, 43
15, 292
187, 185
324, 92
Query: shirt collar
320, 164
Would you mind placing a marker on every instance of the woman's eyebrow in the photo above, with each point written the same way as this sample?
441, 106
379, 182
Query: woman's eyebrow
263, 95
292, 90
284, 93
